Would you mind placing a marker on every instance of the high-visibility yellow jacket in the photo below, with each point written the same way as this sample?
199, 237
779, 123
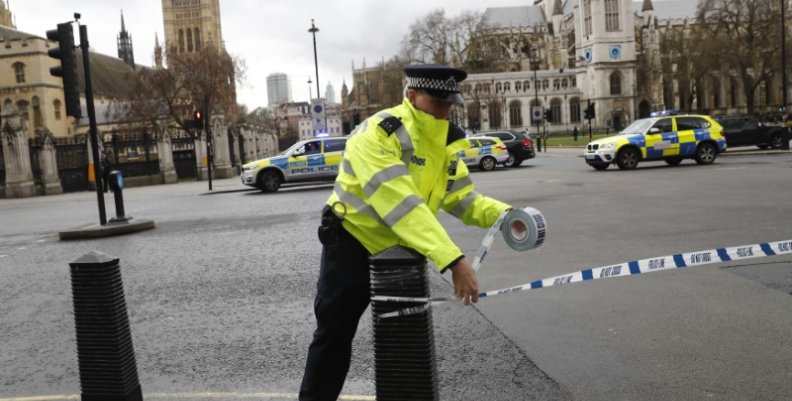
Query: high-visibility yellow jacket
400, 166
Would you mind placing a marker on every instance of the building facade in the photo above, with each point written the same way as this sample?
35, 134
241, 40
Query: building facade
278, 89
191, 25
562, 55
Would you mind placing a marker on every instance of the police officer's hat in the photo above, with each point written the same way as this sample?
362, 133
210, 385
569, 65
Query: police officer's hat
439, 81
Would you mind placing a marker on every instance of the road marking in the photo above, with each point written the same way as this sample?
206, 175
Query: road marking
21, 248
195, 396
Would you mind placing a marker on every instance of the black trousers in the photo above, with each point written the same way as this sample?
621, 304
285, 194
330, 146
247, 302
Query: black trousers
343, 293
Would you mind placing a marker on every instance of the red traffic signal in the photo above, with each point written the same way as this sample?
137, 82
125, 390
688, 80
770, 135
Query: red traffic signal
67, 69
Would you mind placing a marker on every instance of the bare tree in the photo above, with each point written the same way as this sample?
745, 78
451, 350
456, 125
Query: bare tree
436, 38
747, 35
191, 80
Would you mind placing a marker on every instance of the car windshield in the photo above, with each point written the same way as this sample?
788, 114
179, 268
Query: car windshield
638, 127
291, 149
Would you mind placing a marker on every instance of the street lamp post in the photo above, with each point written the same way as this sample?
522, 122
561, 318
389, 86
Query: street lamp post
310, 94
313, 32
784, 82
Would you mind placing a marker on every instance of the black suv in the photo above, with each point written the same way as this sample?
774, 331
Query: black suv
519, 144
748, 131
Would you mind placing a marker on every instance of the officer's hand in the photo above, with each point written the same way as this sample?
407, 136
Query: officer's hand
465, 282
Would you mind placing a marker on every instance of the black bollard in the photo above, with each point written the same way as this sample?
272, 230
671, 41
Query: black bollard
538, 144
117, 186
105, 355
404, 355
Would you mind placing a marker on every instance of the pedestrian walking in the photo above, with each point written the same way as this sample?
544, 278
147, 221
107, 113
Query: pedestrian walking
106, 165
575, 133
399, 168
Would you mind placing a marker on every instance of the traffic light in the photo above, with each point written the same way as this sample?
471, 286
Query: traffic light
589, 112
548, 115
67, 69
198, 119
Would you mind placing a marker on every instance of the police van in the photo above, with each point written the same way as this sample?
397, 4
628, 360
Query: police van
664, 136
313, 160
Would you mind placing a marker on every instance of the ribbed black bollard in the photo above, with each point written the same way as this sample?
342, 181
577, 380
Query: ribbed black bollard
404, 356
104, 343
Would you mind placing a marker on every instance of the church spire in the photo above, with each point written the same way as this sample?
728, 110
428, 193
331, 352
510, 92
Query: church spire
125, 51
157, 52
647, 6
6, 18
558, 9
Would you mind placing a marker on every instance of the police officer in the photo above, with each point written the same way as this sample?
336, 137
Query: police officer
399, 168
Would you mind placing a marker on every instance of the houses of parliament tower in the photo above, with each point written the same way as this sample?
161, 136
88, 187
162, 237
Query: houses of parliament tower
191, 25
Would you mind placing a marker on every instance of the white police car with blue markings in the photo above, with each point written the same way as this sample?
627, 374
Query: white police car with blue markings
484, 153
671, 138
314, 160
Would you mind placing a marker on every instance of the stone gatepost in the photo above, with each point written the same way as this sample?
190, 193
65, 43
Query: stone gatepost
222, 157
19, 174
48, 162
165, 152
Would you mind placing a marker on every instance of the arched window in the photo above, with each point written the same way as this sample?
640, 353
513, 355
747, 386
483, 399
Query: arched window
507, 86
474, 116
555, 109
495, 114
7, 103
564, 83
526, 85
197, 34
56, 105
189, 41
545, 84
181, 41
556, 84
22, 105
615, 83
19, 71
517, 86
37, 121
498, 88
515, 113
587, 26
574, 110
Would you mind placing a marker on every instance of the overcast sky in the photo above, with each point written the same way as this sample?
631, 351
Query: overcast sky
270, 35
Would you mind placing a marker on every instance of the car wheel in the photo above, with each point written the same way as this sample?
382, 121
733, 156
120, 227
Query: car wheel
600, 166
512, 161
627, 159
488, 163
269, 181
673, 161
706, 153
763, 146
777, 141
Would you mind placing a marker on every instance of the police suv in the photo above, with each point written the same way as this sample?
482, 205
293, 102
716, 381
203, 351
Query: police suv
664, 136
484, 153
314, 160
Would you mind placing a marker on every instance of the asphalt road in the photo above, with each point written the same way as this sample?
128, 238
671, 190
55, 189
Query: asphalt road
220, 293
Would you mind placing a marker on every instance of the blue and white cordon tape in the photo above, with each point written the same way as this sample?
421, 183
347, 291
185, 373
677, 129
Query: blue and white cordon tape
534, 220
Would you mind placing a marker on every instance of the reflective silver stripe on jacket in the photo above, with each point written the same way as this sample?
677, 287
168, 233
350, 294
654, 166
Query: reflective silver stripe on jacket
409, 203
456, 185
463, 205
404, 139
382, 177
347, 166
355, 201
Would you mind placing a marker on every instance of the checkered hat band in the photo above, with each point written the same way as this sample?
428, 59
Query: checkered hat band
448, 85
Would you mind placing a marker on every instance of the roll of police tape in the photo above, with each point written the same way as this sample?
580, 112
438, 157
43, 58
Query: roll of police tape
522, 229
631, 268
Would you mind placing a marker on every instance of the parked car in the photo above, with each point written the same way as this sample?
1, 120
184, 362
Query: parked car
485, 153
314, 160
748, 131
666, 137
519, 144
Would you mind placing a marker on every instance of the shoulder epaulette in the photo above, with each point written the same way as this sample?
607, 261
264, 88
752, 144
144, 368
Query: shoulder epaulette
390, 124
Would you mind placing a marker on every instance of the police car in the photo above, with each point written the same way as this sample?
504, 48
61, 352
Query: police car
664, 136
484, 153
306, 161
